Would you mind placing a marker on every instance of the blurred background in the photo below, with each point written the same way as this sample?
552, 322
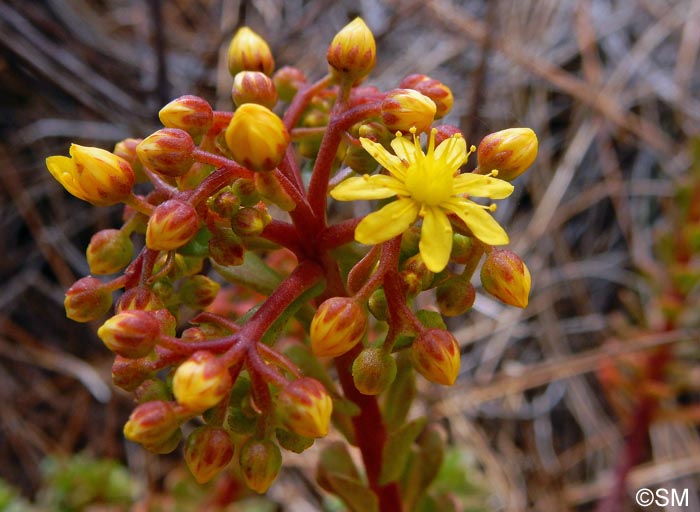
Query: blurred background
550, 398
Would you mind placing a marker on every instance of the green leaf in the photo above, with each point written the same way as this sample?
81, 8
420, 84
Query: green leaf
397, 450
254, 273
400, 394
198, 246
356, 495
431, 319
335, 459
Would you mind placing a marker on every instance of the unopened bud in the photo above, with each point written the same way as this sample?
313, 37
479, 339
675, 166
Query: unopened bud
208, 451
246, 191
373, 371
466, 250
139, 297
201, 382
93, 175
304, 407
269, 187
167, 152
198, 291
189, 113
435, 354
288, 81
352, 53
249, 52
109, 251
87, 300
253, 87
505, 276
446, 131
226, 248
224, 203
338, 325
126, 149
403, 109
509, 151
256, 137
357, 158
260, 462
433, 89
172, 224
250, 220
155, 425
151, 390
415, 275
455, 296
130, 334
377, 305
129, 374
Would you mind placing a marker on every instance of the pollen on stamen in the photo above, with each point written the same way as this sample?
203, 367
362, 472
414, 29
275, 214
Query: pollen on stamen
493, 207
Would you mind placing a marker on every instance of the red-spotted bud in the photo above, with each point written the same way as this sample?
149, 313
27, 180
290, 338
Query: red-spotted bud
250, 220
435, 355
260, 461
509, 151
415, 275
129, 374
224, 203
373, 371
455, 296
446, 131
87, 300
139, 298
433, 89
256, 137
93, 175
130, 334
253, 87
109, 251
208, 451
403, 109
505, 276
288, 81
198, 291
352, 53
201, 382
126, 149
151, 390
155, 425
269, 188
338, 325
226, 248
189, 113
304, 407
249, 52
173, 224
167, 152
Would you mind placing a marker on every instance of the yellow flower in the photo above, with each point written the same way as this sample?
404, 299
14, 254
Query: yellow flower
430, 186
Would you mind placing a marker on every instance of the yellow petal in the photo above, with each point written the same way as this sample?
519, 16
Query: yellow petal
390, 221
391, 163
482, 186
452, 152
405, 149
64, 171
368, 187
435, 239
478, 220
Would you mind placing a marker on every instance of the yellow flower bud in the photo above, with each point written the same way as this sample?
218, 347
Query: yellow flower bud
93, 175
198, 291
109, 251
131, 334
208, 451
126, 149
172, 224
253, 87
304, 407
256, 137
373, 371
87, 300
201, 382
260, 462
415, 275
139, 298
338, 325
433, 89
435, 355
189, 113
352, 52
403, 109
167, 152
505, 276
155, 425
249, 52
509, 151
288, 81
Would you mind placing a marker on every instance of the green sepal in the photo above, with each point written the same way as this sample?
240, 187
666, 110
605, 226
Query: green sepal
198, 246
397, 450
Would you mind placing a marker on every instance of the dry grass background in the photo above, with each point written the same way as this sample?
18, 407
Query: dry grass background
612, 88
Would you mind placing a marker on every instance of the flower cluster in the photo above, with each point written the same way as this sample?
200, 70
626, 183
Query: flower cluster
254, 370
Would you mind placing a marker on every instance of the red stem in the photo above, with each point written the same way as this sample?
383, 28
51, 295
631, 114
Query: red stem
338, 234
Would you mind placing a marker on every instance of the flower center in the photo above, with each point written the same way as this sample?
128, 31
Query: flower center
428, 184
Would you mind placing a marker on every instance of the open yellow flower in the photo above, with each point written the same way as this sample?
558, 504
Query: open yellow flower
427, 185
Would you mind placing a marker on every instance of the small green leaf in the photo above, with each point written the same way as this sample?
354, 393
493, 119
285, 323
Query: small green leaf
335, 460
254, 273
431, 319
356, 495
198, 246
397, 450
400, 394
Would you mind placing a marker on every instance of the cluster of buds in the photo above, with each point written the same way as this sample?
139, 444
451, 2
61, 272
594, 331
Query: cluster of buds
227, 194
